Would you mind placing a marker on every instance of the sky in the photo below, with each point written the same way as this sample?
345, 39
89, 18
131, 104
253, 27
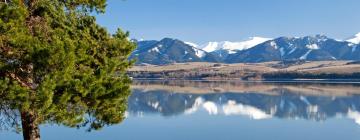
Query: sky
201, 21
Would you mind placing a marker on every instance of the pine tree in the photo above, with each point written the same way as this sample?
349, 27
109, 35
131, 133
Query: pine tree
57, 64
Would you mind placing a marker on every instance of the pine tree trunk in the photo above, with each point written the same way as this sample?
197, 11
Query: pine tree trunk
30, 127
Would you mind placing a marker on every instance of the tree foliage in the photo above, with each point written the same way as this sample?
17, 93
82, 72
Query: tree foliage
58, 64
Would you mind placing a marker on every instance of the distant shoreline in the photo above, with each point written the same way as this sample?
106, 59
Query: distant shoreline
268, 71
335, 81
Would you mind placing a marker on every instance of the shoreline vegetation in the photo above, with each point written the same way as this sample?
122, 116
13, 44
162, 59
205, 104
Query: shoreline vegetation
267, 71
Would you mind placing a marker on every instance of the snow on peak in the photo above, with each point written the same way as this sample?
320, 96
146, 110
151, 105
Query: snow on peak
273, 44
192, 44
233, 46
211, 46
313, 46
199, 53
156, 49
355, 39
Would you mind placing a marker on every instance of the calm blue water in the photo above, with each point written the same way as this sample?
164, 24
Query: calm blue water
213, 111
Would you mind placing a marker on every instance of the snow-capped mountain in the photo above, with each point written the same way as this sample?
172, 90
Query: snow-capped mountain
192, 44
309, 48
224, 48
355, 39
232, 47
168, 51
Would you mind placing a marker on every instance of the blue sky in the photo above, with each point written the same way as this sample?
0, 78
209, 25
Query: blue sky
201, 21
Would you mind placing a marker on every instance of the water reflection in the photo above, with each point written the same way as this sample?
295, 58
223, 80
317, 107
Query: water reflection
189, 110
307, 101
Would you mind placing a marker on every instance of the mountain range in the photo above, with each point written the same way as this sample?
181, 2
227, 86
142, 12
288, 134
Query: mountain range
253, 50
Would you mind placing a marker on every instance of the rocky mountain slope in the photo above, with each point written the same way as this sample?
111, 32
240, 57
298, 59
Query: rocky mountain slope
168, 51
254, 50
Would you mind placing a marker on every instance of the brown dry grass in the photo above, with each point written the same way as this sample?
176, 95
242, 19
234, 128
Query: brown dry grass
313, 67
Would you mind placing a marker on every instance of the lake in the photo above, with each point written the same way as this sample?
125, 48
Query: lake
213, 110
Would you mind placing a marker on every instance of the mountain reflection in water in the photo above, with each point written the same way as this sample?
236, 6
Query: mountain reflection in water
256, 100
